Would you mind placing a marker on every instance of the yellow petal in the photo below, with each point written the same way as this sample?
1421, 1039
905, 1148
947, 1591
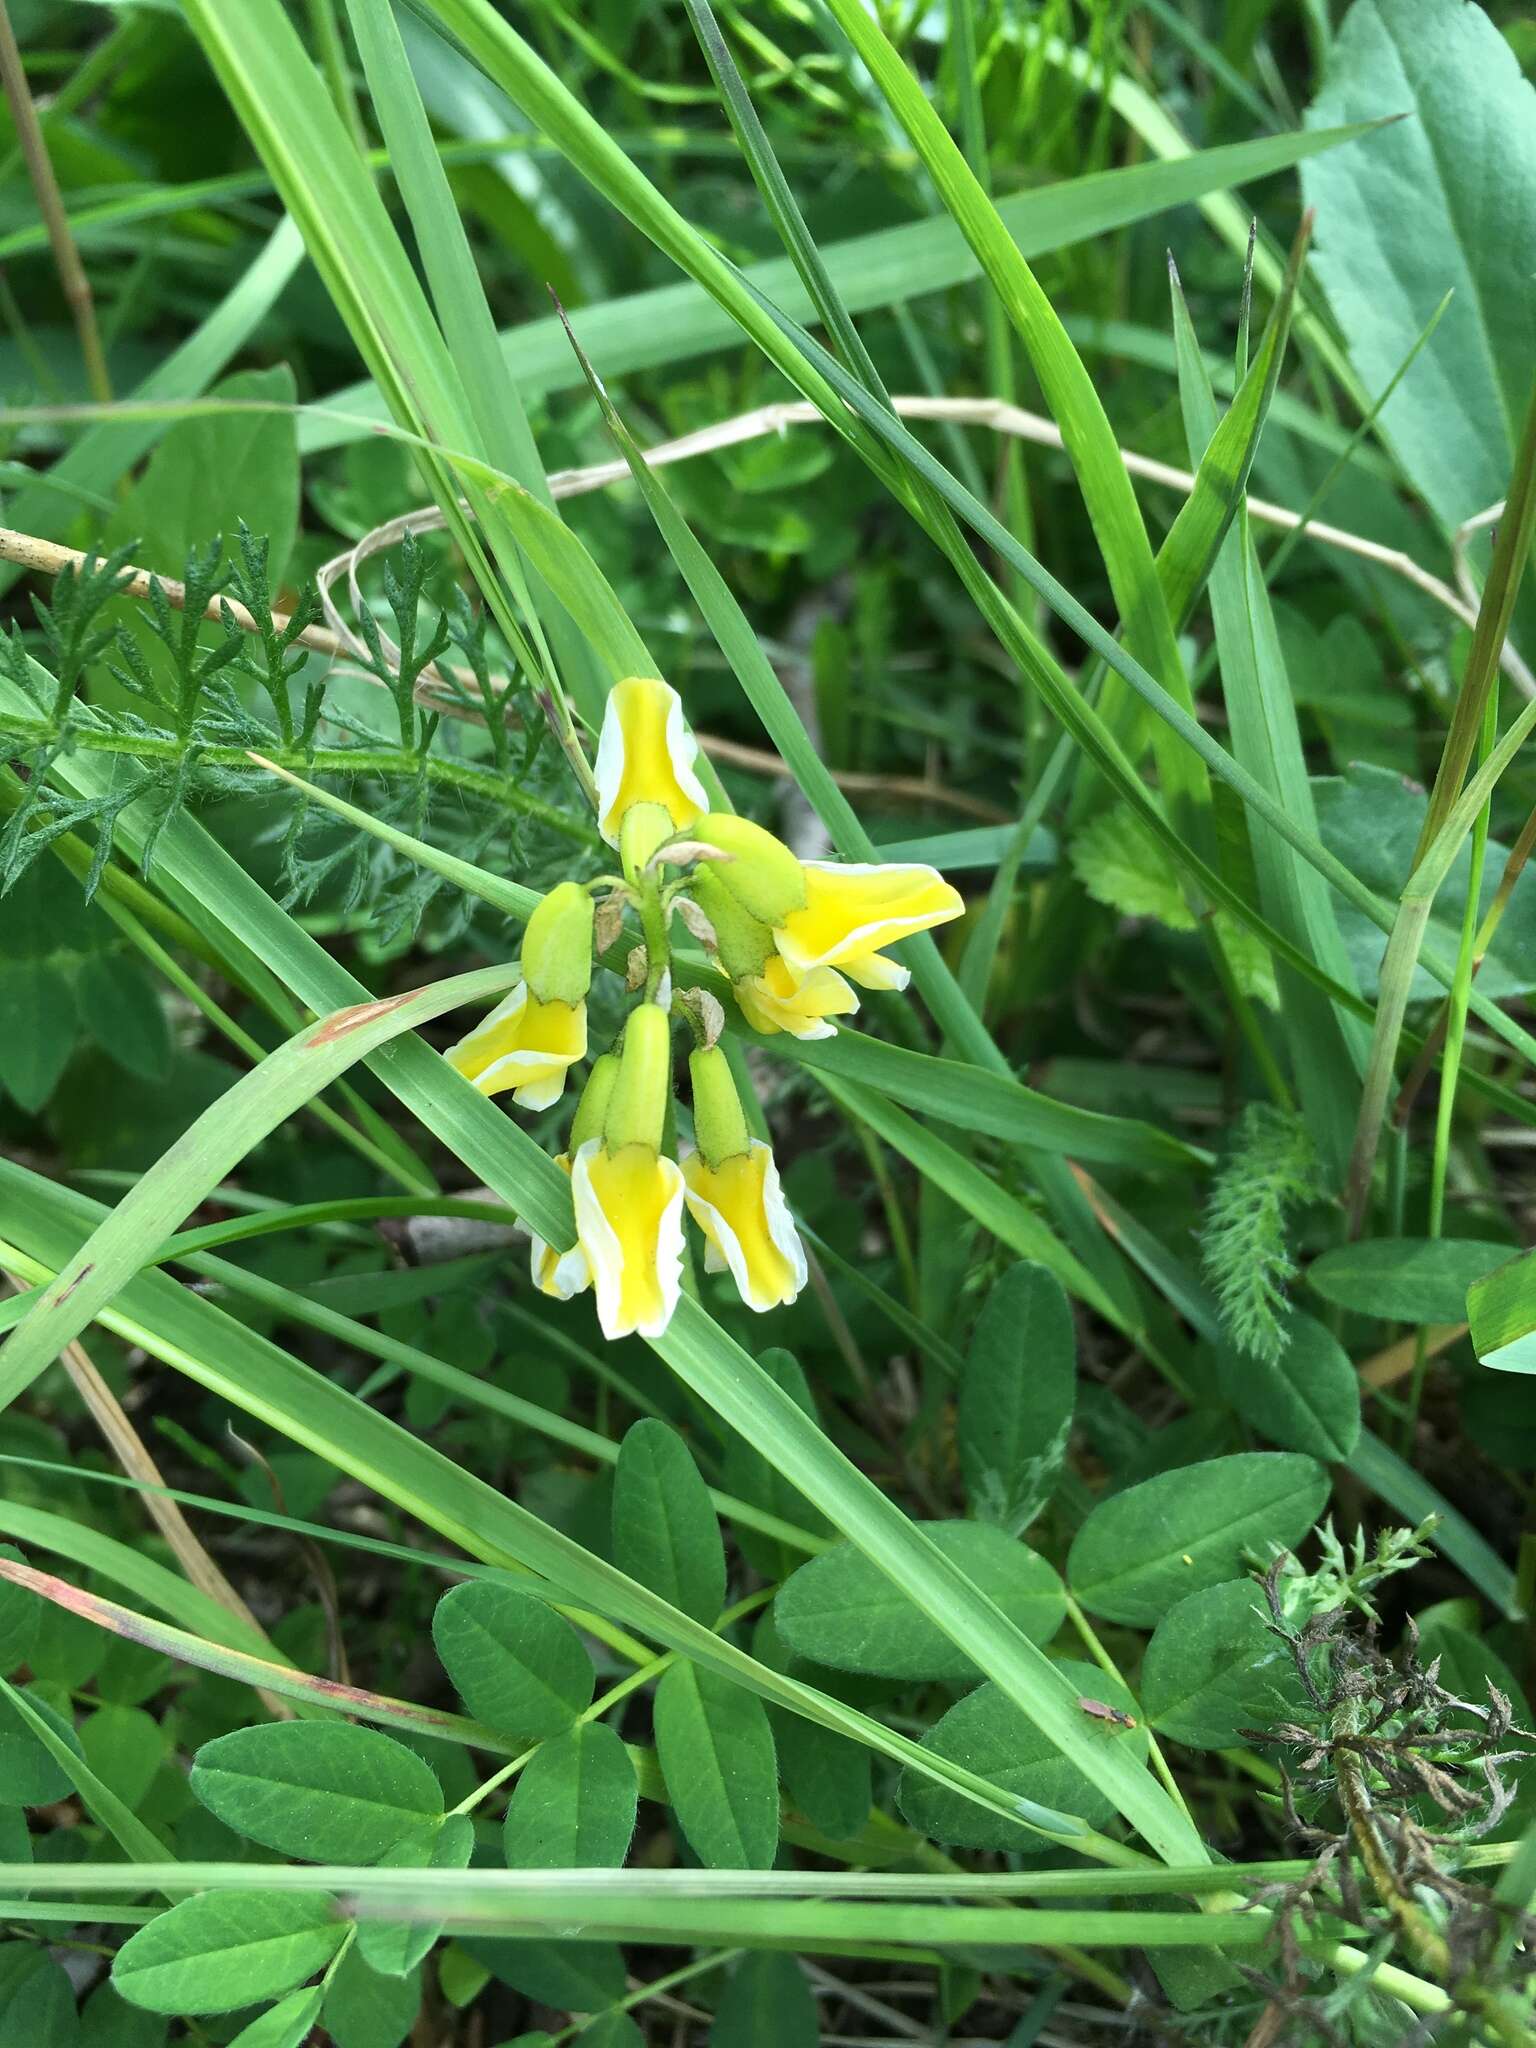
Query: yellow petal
629, 1217
560, 1274
741, 1210
645, 755
776, 1000
524, 1045
852, 911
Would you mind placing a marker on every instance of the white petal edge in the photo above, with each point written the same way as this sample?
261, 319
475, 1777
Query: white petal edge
604, 1254
608, 768
570, 1275
683, 749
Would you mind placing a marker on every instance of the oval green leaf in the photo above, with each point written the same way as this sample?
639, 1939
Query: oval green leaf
1016, 1397
396, 1946
326, 1791
842, 1610
665, 1530
222, 1950
1406, 1279
1143, 1549
1308, 1399
1214, 1668
364, 2009
284, 2025
516, 1664
986, 1732
574, 1805
29, 1775
716, 1753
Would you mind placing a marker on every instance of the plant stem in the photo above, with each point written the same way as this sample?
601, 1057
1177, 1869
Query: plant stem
73, 281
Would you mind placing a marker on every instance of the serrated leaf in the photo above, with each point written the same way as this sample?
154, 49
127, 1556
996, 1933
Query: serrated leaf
1121, 864
1214, 1667
573, 1806
516, 1664
330, 1792
988, 1733
1016, 1397
218, 1951
842, 1610
716, 1752
1143, 1549
665, 1531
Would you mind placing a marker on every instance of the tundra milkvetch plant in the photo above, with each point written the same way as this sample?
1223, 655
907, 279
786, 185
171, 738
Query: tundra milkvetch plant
785, 932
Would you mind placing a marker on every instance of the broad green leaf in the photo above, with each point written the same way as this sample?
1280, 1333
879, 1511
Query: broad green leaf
396, 1947
573, 1806
1501, 1308
1016, 1396
1119, 862
515, 1663
38, 1028
1143, 1549
767, 2004
612, 2030
716, 1753
108, 2021
748, 1474
366, 2010
218, 1951
988, 1732
288, 2024
1443, 200
1214, 1667
29, 1773
664, 1528
1406, 1279
1308, 1399
121, 1008
211, 472
37, 2002
826, 1776
124, 1746
326, 1791
841, 1610
572, 1976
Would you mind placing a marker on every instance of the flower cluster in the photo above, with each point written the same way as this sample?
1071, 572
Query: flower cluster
791, 936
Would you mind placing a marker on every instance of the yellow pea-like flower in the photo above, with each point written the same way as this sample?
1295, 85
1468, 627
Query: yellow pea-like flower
529, 1041
851, 912
645, 757
629, 1213
524, 1045
748, 1230
628, 1198
775, 1000
734, 1195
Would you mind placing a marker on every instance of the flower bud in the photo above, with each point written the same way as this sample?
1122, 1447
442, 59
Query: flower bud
719, 1121
593, 1106
557, 945
762, 875
637, 1107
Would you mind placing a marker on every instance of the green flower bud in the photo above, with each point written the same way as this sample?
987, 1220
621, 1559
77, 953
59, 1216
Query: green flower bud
719, 1121
744, 942
557, 946
593, 1106
637, 1108
762, 874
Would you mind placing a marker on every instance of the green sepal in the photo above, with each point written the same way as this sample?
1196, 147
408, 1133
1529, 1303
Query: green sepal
762, 874
719, 1121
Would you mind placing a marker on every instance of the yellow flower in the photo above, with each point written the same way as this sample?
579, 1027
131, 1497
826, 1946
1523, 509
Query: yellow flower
645, 756
561, 1274
628, 1198
629, 1213
734, 1195
527, 1042
774, 1000
747, 1226
524, 1045
852, 911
